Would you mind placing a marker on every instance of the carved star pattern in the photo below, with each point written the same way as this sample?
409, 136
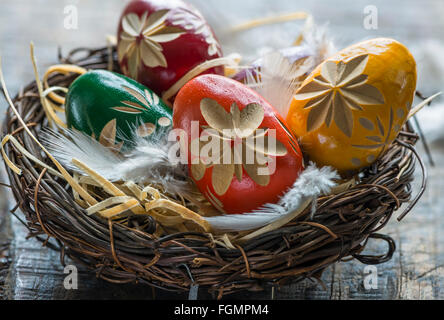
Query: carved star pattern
242, 129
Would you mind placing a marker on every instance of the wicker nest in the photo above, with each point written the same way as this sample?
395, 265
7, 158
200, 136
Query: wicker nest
130, 253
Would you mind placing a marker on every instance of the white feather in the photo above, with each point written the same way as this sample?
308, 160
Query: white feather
149, 160
312, 183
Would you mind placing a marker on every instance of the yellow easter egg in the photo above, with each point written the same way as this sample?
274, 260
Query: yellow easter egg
352, 106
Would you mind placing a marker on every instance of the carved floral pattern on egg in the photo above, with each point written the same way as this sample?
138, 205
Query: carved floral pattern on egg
141, 38
351, 108
145, 101
107, 136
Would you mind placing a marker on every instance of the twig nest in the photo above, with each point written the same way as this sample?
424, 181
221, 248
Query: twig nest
240, 153
352, 106
160, 41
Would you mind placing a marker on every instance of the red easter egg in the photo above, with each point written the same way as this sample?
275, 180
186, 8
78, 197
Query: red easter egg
241, 154
159, 41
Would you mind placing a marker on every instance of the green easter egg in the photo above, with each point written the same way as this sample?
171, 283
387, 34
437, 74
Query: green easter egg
109, 106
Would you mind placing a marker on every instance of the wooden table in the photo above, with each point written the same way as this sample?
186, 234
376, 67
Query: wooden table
30, 271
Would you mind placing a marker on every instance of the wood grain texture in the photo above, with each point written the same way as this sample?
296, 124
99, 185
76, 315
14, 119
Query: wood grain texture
417, 268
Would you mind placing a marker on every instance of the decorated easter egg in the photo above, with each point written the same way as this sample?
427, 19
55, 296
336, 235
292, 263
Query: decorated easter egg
159, 41
109, 106
241, 154
352, 106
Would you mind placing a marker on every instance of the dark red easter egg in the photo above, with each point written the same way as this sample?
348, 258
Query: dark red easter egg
241, 154
159, 41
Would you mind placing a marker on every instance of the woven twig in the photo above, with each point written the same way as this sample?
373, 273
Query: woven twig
118, 253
